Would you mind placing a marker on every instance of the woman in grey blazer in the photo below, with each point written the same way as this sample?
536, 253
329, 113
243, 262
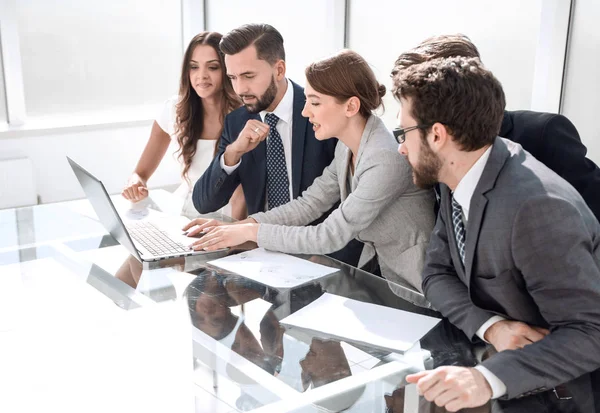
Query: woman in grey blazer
380, 205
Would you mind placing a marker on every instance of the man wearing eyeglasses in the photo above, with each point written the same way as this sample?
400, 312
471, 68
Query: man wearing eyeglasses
550, 137
514, 257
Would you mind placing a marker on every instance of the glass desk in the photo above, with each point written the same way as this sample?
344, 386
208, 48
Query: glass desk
86, 327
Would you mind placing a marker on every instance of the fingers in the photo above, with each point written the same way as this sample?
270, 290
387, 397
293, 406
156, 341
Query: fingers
445, 397
427, 382
533, 334
541, 330
194, 222
208, 242
135, 192
257, 131
413, 378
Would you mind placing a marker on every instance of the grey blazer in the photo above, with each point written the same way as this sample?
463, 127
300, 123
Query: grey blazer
384, 210
532, 254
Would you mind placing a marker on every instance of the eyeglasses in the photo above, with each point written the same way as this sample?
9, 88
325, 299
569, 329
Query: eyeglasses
400, 134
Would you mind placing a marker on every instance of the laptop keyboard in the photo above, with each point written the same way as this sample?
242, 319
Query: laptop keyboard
156, 241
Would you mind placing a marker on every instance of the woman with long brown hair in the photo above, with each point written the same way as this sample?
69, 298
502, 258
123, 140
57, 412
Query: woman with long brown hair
194, 120
379, 203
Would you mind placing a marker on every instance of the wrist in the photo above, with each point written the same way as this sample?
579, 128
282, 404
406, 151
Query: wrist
231, 155
491, 332
136, 177
252, 232
483, 380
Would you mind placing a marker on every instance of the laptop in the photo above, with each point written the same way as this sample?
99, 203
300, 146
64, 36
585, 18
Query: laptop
148, 240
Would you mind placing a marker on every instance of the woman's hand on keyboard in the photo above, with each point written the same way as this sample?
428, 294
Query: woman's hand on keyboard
197, 226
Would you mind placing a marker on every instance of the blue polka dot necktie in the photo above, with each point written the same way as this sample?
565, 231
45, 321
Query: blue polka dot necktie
459, 229
278, 192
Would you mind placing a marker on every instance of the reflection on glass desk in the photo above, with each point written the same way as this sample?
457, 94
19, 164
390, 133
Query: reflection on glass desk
66, 284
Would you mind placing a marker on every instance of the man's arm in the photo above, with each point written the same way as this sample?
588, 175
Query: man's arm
553, 250
442, 287
564, 153
214, 189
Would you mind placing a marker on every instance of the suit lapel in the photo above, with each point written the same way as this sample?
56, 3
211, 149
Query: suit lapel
343, 176
446, 199
498, 156
299, 125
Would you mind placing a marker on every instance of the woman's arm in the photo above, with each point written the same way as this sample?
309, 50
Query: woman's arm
383, 178
311, 205
155, 150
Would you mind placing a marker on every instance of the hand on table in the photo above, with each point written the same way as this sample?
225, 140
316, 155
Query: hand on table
453, 388
223, 236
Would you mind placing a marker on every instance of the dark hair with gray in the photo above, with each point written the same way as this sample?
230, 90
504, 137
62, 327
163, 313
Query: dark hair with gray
267, 40
459, 93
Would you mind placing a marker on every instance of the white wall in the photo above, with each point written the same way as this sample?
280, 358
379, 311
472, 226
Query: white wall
581, 94
505, 32
110, 153
308, 27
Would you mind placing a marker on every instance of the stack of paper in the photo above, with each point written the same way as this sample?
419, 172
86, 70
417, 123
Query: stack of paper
273, 269
370, 324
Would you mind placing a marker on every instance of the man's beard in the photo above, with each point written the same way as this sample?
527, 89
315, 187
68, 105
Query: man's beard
425, 175
264, 101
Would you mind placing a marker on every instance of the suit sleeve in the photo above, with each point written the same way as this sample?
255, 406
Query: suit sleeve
444, 289
379, 184
215, 187
566, 155
311, 205
554, 251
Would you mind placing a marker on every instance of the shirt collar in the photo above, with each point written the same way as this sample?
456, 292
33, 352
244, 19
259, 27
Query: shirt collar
285, 108
466, 187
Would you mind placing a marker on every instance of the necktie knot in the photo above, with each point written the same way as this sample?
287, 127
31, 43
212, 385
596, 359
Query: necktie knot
271, 120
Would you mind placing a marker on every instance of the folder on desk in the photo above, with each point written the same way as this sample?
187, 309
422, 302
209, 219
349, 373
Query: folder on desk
362, 323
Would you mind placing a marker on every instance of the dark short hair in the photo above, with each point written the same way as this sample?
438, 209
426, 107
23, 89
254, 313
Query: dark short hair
344, 75
458, 92
267, 40
446, 45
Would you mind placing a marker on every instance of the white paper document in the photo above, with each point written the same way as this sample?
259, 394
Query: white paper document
273, 268
346, 319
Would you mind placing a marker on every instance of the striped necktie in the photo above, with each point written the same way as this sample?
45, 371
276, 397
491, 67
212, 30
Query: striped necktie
459, 228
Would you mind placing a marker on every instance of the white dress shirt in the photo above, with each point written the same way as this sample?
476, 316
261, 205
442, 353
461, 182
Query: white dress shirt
285, 112
463, 194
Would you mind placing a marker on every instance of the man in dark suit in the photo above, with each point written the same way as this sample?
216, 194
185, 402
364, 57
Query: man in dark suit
266, 146
551, 138
515, 254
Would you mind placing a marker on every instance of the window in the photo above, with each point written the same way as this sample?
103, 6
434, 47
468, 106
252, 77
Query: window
381, 30
90, 56
3, 117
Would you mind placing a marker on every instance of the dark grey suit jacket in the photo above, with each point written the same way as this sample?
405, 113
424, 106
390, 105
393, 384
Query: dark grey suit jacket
532, 255
554, 141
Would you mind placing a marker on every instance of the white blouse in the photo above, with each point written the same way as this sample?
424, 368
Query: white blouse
200, 162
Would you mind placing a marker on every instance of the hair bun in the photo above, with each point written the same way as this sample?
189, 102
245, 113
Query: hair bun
381, 89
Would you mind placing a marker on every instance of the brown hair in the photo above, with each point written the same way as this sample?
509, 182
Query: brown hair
189, 112
344, 75
267, 40
447, 45
457, 92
